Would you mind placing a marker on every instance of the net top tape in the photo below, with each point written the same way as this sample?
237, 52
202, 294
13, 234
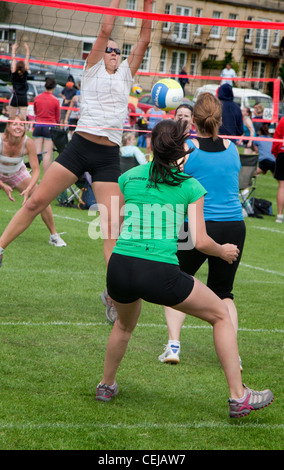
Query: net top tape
152, 16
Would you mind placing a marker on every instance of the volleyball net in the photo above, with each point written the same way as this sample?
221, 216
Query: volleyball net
58, 29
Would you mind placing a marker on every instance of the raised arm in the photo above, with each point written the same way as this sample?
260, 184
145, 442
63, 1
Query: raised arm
27, 59
138, 51
100, 44
13, 64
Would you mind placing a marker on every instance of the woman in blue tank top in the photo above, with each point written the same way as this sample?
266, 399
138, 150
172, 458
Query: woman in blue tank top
215, 163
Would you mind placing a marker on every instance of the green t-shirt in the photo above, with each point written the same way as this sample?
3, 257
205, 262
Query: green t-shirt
153, 215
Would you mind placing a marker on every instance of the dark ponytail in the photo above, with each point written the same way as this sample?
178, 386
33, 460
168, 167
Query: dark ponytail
168, 139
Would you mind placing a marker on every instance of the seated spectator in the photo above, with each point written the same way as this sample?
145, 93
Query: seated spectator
266, 158
248, 130
258, 114
129, 149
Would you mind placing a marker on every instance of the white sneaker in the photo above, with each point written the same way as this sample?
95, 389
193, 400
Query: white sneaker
56, 240
171, 354
279, 219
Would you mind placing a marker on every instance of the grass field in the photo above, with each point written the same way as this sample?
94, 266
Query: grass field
54, 335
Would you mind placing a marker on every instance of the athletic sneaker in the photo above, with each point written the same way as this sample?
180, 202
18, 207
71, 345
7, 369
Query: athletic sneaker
279, 219
252, 400
171, 354
1, 258
56, 240
111, 313
106, 392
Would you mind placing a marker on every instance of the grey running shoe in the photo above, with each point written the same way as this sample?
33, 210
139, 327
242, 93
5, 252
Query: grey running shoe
171, 354
106, 392
111, 313
252, 400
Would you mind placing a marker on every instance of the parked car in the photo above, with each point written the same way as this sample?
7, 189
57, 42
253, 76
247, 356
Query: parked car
36, 71
145, 103
37, 87
243, 97
5, 93
63, 73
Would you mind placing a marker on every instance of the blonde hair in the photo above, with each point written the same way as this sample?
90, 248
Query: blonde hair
19, 117
207, 113
259, 108
125, 137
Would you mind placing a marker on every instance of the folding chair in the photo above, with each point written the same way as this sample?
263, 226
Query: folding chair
126, 163
247, 182
59, 138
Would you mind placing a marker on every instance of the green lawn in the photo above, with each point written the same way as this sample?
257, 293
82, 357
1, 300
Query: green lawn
54, 335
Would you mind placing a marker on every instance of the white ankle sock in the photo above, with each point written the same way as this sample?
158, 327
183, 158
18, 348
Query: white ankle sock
1, 250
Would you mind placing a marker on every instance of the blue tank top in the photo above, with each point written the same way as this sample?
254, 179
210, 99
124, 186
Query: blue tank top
218, 172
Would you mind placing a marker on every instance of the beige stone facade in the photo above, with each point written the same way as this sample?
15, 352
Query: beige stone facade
53, 34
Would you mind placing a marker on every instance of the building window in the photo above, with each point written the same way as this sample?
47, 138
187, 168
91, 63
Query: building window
7, 35
163, 60
182, 30
197, 27
126, 50
258, 71
232, 32
179, 60
145, 65
276, 38
168, 11
131, 5
193, 64
248, 35
262, 40
216, 30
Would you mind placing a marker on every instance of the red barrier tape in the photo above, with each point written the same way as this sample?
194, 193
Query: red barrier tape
152, 16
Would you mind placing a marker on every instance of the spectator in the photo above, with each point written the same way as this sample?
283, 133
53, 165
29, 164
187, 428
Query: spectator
47, 114
266, 160
155, 116
228, 73
258, 114
73, 113
278, 152
232, 119
183, 80
19, 76
249, 130
67, 94
129, 149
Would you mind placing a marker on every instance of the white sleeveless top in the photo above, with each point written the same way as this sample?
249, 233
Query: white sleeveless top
14, 163
104, 101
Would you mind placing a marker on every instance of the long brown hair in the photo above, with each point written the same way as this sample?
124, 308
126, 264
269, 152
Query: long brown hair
207, 113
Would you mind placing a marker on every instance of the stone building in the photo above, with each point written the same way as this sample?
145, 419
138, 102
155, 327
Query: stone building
54, 34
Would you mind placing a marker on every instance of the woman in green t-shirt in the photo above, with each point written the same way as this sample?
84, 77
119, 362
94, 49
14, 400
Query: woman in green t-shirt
156, 198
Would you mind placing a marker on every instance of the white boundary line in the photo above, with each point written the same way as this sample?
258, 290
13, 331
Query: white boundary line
147, 425
139, 325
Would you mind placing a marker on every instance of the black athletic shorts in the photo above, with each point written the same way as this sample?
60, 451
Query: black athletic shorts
267, 165
221, 274
130, 279
279, 167
101, 161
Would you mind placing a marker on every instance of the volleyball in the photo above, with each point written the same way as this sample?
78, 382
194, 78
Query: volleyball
137, 89
167, 94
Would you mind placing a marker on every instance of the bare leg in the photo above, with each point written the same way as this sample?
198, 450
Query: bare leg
106, 195
204, 304
46, 158
280, 197
55, 180
119, 338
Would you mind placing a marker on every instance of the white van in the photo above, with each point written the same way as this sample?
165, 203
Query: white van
243, 97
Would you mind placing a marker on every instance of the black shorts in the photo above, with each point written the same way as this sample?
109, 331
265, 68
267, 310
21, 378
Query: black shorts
130, 279
221, 274
101, 161
279, 167
42, 130
267, 165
